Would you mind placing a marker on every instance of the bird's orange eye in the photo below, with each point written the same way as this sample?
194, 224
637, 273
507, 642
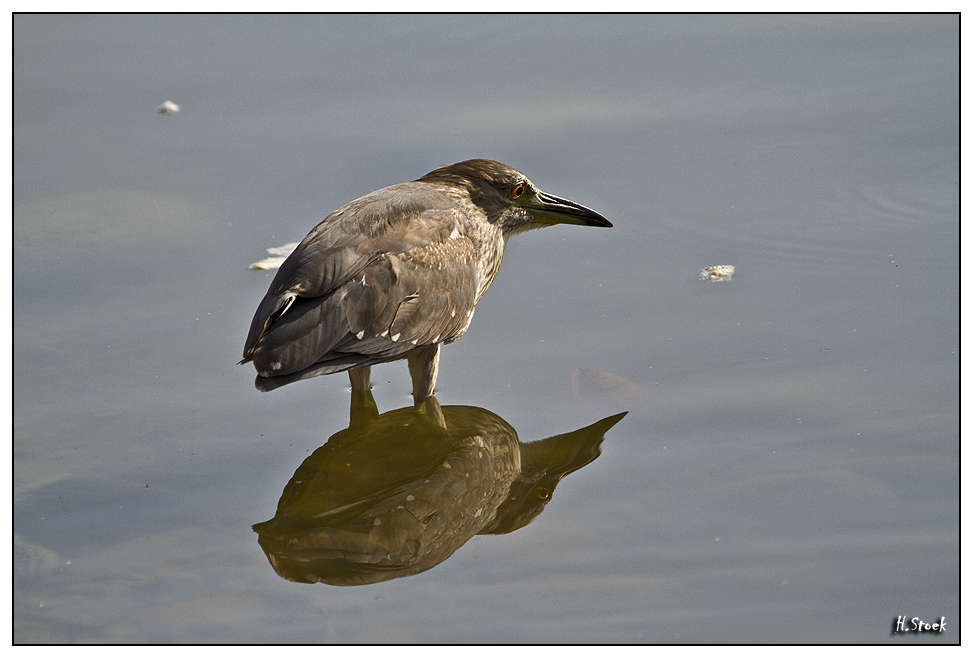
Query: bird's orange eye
517, 191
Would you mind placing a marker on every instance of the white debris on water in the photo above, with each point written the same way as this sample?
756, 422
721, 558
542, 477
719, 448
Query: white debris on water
717, 273
168, 108
277, 256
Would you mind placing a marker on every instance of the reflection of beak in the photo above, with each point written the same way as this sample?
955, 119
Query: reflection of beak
549, 209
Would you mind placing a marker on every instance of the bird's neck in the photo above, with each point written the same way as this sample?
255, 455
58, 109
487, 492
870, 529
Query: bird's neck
486, 236
488, 241
487, 268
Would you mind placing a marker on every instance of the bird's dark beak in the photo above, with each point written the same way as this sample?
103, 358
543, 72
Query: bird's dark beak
549, 209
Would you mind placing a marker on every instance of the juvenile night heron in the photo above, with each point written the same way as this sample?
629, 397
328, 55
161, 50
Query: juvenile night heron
394, 274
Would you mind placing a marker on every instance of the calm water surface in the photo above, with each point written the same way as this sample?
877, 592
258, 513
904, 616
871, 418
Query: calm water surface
788, 470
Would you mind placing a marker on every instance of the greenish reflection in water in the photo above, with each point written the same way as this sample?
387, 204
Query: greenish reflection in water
395, 494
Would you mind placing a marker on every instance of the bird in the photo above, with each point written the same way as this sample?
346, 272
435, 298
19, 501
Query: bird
395, 274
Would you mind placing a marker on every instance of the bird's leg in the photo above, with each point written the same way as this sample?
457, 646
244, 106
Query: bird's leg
429, 410
360, 378
424, 366
364, 411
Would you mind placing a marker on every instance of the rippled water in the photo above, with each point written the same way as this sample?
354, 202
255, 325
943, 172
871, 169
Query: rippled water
788, 470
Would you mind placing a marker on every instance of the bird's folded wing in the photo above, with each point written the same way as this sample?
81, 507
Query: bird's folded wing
409, 286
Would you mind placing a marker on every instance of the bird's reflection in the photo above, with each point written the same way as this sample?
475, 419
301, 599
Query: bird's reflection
396, 494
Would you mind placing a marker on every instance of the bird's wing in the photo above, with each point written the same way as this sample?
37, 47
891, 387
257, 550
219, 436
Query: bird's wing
386, 221
418, 297
333, 252
395, 304
381, 276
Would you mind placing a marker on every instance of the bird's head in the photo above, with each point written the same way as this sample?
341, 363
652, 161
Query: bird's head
509, 198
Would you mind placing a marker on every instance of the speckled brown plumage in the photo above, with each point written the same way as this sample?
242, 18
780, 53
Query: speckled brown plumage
396, 273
